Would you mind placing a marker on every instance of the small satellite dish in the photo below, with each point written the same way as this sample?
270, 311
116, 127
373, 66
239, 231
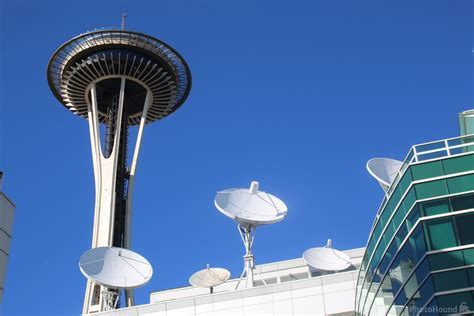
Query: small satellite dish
116, 268
326, 258
384, 170
250, 206
209, 277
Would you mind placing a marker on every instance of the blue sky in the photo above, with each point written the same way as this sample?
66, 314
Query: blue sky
295, 94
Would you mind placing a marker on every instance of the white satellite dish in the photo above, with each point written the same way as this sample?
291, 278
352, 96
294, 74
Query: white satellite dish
384, 170
115, 268
326, 258
250, 208
209, 277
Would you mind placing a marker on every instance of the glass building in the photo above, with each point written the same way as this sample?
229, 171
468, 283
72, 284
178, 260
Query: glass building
420, 253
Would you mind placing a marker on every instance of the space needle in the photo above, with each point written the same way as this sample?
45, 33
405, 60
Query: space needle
118, 79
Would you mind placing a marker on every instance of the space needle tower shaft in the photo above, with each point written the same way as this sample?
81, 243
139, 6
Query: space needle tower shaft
116, 80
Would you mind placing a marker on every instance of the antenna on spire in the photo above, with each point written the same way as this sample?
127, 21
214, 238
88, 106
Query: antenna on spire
123, 21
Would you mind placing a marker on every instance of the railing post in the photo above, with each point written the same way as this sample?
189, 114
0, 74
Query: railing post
447, 147
415, 154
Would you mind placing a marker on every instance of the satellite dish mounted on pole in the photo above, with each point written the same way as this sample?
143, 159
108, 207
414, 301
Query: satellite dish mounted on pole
250, 208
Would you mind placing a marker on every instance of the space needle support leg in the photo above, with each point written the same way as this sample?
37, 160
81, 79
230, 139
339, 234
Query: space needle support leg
105, 173
95, 144
129, 296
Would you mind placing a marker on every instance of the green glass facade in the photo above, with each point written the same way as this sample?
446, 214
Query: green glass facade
420, 253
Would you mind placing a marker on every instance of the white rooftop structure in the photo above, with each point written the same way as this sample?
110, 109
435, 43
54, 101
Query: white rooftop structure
293, 288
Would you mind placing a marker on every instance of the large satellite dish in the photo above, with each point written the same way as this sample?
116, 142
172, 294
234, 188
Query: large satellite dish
250, 208
326, 258
384, 170
116, 268
209, 277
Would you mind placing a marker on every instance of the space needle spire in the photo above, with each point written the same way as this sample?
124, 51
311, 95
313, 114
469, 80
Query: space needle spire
118, 79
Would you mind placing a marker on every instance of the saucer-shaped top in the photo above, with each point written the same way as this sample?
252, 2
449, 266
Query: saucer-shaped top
326, 259
115, 267
250, 208
209, 277
103, 55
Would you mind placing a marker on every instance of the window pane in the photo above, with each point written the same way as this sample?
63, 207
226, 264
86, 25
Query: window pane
413, 217
397, 218
405, 182
465, 225
402, 233
427, 170
421, 297
416, 243
431, 189
413, 284
454, 302
377, 231
431, 308
447, 260
435, 207
385, 261
450, 280
441, 233
459, 164
469, 256
386, 214
461, 184
470, 273
409, 199
463, 202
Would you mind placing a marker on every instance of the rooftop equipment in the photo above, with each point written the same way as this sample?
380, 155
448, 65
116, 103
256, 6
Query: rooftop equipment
209, 278
250, 208
326, 259
384, 170
114, 269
